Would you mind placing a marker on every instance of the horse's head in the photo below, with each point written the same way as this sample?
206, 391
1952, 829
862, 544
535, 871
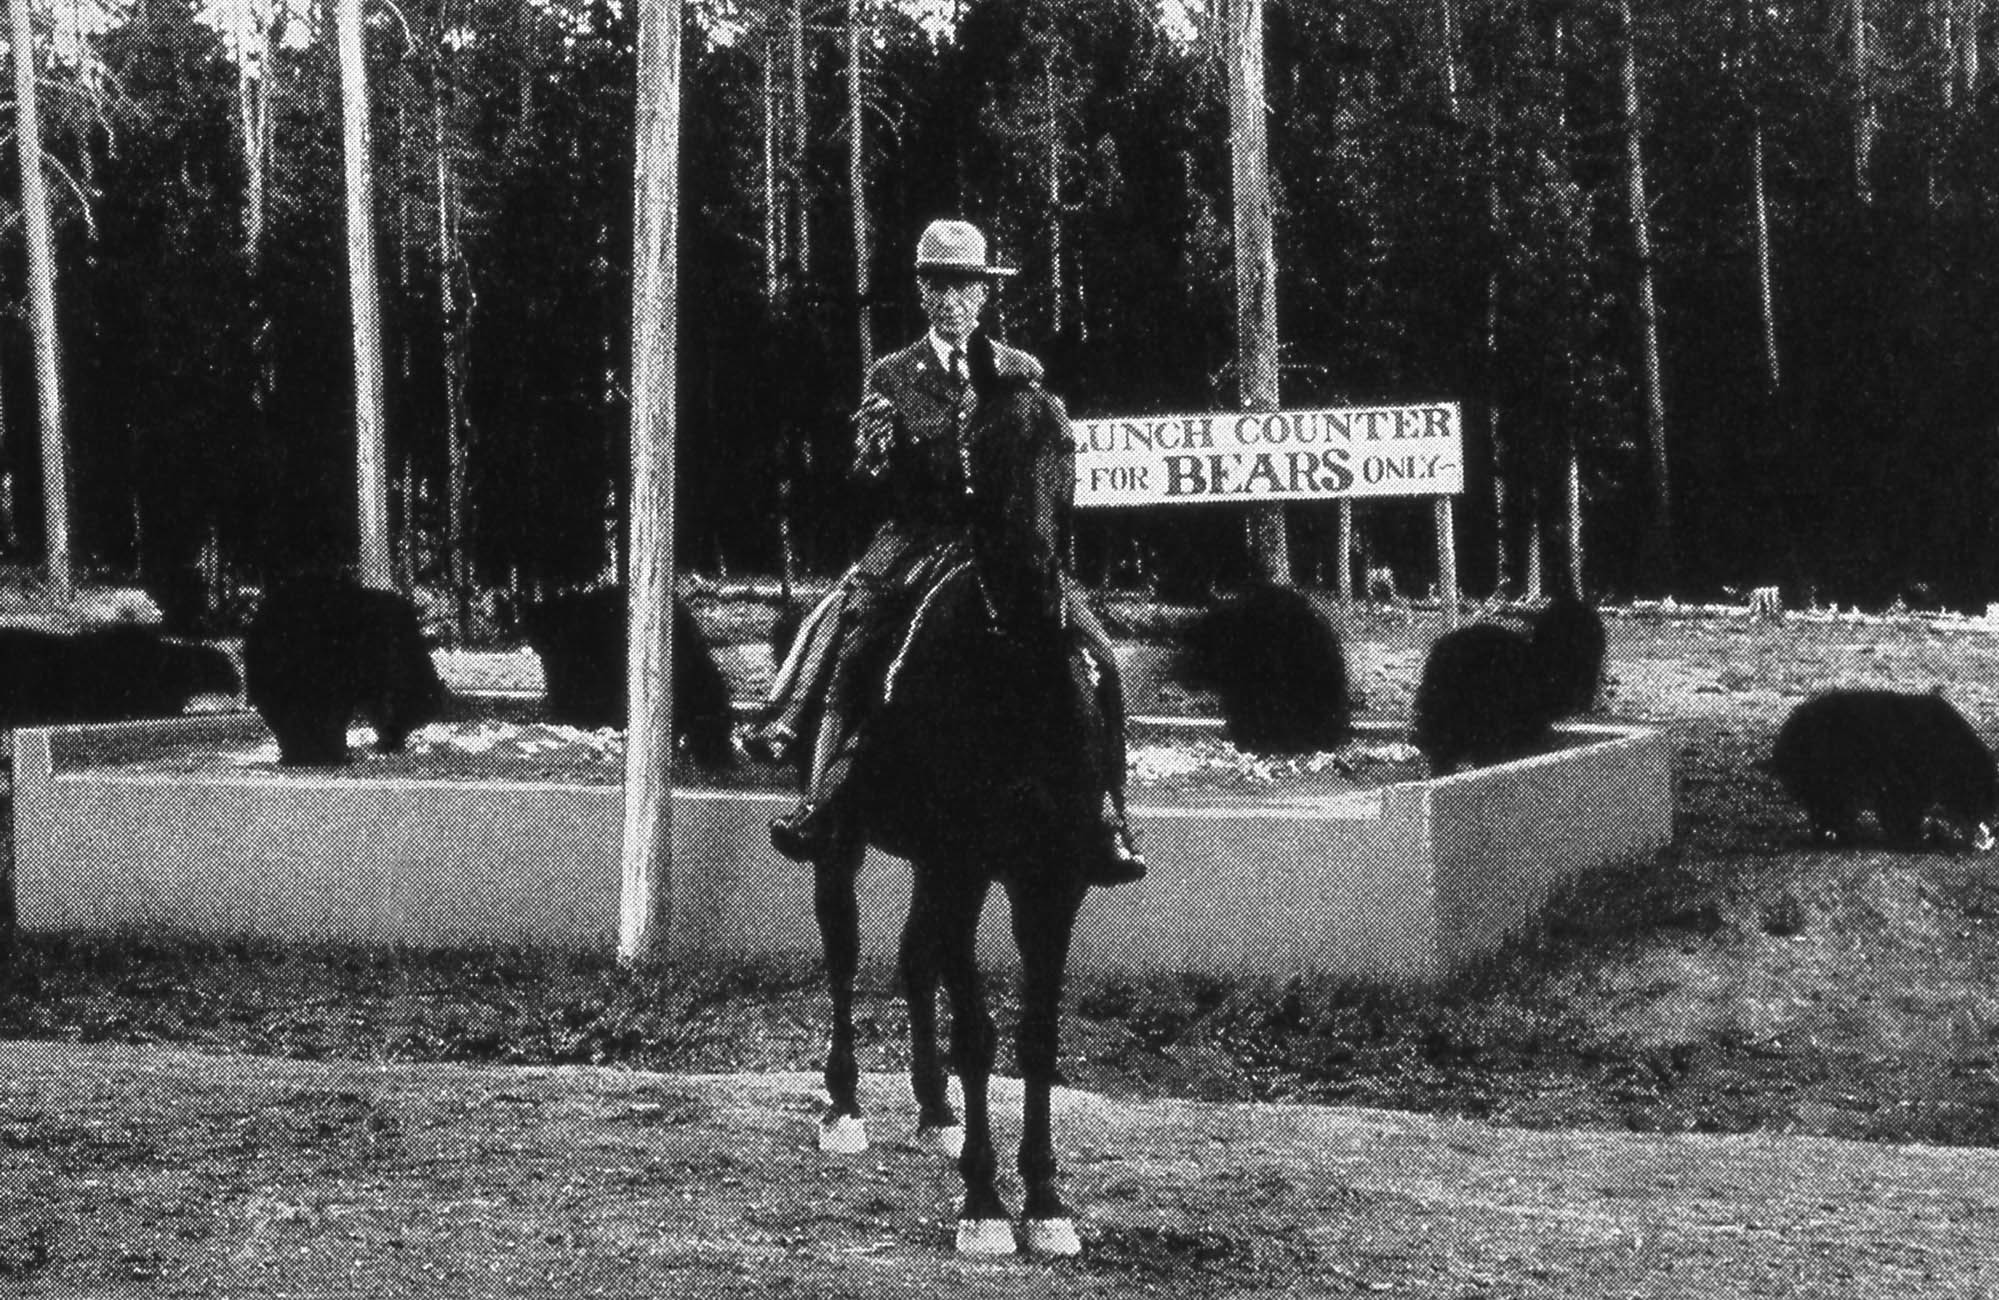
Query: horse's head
1020, 469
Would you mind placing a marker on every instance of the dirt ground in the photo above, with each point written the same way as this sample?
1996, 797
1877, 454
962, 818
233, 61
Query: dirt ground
160, 1171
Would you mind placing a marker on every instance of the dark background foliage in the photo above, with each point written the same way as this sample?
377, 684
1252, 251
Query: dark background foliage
1452, 223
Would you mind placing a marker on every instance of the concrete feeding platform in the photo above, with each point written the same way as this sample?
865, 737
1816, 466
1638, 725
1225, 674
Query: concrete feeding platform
1405, 883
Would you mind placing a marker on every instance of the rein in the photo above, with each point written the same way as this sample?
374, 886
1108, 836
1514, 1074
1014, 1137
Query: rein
968, 438
915, 630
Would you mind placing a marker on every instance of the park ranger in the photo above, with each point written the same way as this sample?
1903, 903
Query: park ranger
907, 447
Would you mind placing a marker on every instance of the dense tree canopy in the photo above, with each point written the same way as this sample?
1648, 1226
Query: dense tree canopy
1450, 178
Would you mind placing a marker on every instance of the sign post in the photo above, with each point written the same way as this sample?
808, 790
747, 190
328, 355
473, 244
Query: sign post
1447, 564
1244, 457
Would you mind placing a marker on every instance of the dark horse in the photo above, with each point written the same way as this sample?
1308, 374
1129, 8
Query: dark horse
985, 766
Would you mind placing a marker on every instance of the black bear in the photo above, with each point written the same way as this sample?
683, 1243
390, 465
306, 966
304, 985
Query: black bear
1275, 663
1846, 751
1568, 643
322, 649
581, 640
1483, 698
117, 673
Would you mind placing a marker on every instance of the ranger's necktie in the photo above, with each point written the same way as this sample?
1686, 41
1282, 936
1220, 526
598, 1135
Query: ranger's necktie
961, 414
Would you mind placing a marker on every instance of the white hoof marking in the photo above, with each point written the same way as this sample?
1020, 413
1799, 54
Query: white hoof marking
845, 1136
947, 1141
1053, 1237
985, 1237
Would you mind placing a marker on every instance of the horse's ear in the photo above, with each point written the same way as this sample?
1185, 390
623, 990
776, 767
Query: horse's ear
981, 361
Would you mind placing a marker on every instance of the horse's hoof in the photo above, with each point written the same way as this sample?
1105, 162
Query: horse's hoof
946, 1140
1052, 1237
985, 1237
843, 1135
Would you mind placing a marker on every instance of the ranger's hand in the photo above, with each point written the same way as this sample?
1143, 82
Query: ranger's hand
874, 435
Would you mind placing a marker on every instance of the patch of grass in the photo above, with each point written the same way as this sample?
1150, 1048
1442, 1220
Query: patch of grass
24, 1252
516, 1005
1144, 1253
1737, 982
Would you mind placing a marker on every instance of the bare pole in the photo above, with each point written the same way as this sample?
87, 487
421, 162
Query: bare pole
1344, 572
371, 444
1447, 561
42, 294
645, 913
1255, 259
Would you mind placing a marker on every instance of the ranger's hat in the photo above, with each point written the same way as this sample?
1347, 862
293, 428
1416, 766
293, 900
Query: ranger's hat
956, 248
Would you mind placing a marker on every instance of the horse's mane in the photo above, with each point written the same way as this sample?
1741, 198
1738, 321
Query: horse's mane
1020, 472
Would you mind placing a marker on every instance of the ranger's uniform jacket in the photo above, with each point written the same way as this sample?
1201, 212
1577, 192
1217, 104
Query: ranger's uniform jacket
922, 476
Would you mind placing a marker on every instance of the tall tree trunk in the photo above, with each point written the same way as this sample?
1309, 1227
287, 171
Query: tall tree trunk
370, 453
1971, 20
857, 183
1656, 562
1533, 580
1574, 531
799, 208
253, 109
455, 313
1571, 534
253, 104
10, 537
1502, 551
42, 294
406, 546
1955, 24
773, 228
1865, 123
1255, 260
1766, 296
646, 912
1450, 51
616, 437
1051, 175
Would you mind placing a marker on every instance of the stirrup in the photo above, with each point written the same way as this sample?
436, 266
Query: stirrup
767, 743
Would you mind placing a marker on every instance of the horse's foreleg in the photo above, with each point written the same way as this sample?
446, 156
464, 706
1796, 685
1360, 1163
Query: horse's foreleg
983, 1224
834, 902
1042, 926
937, 1127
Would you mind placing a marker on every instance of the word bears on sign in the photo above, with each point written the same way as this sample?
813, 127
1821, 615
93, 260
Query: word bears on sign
1367, 451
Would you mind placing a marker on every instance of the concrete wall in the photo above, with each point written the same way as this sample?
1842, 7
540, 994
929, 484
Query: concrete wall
1403, 883
1505, 836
